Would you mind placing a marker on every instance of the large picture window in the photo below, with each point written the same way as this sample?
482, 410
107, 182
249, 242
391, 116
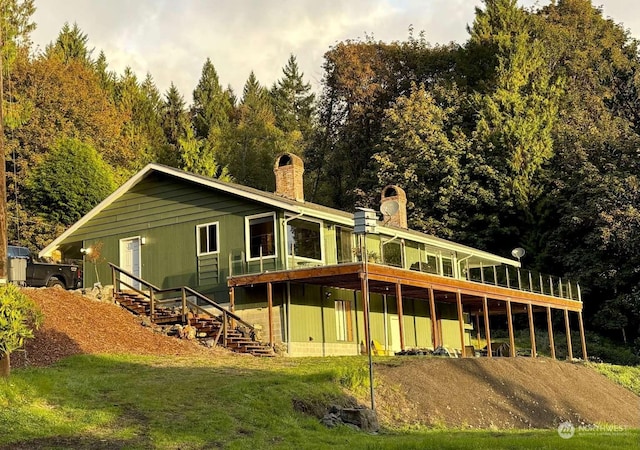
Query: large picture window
261, 235
304, 239
207, 238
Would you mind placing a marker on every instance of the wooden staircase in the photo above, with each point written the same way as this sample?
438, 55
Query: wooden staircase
226, 329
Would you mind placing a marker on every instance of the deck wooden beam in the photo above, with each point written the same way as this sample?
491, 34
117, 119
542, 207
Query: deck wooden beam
487, 332
270, 307
568, 331
347, 275
552, 345
582, 338
460, 322
400, 313
432, 313
512, 341
532, 331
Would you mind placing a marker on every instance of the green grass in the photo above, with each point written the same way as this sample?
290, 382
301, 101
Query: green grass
626, 376
152, 402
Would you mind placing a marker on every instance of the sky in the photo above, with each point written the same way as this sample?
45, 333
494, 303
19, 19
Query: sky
171, 39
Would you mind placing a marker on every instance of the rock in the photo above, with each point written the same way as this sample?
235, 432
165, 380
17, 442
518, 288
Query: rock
331, 420
364, 418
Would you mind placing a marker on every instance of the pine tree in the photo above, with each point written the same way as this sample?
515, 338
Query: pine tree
211, 105
519, 110
175, 122
71, 43
294, 105
249, 147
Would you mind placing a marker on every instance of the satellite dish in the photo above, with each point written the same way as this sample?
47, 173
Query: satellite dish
389, 208
518, 252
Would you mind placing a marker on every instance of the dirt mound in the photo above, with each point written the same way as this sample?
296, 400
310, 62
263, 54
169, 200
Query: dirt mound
501, 393
75, 324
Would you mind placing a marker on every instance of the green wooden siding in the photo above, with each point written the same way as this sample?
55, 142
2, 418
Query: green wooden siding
165, 211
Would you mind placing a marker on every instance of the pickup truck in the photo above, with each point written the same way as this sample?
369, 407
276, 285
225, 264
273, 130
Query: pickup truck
39, 274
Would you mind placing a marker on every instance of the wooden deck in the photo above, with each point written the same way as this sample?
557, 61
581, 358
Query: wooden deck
477, 299
413, 284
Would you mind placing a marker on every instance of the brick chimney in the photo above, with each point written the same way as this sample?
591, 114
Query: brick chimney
393, 206
289, 169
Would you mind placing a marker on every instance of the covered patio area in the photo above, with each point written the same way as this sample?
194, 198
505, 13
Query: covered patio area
479, 300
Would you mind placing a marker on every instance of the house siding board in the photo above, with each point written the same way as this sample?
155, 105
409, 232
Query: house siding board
166, 212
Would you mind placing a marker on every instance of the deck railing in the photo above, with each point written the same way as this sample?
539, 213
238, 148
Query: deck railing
171, 296
497, 275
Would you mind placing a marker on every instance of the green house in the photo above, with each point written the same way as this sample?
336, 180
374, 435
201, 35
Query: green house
296, 270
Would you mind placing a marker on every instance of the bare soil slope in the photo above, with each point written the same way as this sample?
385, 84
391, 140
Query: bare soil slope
502, 393
76, 324
474, 393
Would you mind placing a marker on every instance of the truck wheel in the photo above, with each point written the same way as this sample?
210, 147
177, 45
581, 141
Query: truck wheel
55, 282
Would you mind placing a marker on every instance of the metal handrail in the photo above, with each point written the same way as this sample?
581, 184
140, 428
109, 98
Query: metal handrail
154, 290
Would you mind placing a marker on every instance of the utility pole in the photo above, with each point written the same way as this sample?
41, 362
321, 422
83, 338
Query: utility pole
3, 179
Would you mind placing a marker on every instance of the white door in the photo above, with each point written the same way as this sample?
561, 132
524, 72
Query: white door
130, 260
395, 333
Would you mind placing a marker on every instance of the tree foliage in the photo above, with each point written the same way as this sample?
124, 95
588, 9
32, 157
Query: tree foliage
69, 181
19, 315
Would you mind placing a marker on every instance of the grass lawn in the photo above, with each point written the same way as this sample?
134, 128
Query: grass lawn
232, 402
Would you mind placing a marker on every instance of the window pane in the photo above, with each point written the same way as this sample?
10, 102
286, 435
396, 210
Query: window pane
262, 236
202, 231
392, 253
303, 239
344, 245
213, 238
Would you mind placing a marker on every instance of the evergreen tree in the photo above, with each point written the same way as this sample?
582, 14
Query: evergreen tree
251, 145
71, 179
175, 122
211, 105
294, 105
72, 44
518, 112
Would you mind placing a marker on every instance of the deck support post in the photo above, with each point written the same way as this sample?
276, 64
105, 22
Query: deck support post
270, 306
552, 345
582, 338
432, 313
400, 312
568, 331
532, 331
486, 326
512, 341
478, 328
232, 303
460, 322
365, 308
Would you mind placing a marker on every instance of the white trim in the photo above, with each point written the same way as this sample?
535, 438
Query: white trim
217, 224
247, 237
132, 238
286, 238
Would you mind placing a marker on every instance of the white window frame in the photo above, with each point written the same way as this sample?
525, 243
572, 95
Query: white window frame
247, 237
302, 258
198, 227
